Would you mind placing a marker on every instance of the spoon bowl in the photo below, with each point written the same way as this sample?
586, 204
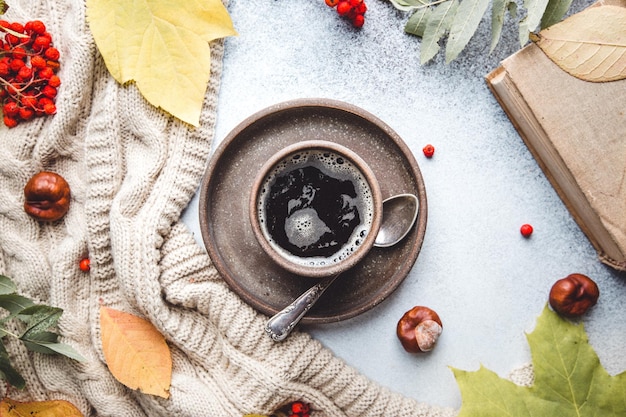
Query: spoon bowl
399, 216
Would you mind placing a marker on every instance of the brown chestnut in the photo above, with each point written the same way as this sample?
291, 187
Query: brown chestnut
573, 295
47, 196
418, 329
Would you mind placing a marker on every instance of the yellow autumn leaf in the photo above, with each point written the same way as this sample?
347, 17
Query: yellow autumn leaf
54, 408
135, 352
163, 45
590, 45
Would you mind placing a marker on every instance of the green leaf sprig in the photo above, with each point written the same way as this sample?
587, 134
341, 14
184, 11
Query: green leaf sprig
432, 20
36, 321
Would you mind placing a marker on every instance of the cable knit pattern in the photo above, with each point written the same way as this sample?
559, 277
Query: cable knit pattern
133, 169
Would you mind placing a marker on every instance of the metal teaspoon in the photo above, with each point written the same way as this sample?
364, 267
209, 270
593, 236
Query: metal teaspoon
399, 215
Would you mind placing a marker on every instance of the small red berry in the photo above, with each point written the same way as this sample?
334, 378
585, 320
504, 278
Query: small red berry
358, 21
17, 27
429, 151
299, 408
54, 81
84, 265
38, 62
49, 91
52, 53
10, 109
38, 27
16, 64
19, 53
361, 8
10, 122
49, 108
331, 3
46, 73
526, 230
343, 7
25, 72
355, 3
41, 43
26, 113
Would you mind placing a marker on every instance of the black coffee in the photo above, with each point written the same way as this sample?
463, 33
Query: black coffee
316, 207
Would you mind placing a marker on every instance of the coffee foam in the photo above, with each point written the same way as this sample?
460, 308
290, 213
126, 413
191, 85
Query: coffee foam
304, 226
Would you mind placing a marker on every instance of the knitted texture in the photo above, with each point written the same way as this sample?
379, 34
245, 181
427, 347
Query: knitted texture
132, 170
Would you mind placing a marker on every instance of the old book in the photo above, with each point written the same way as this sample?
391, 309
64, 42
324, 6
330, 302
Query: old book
576, 130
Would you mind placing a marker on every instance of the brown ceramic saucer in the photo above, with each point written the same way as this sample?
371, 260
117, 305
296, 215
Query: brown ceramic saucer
225, 192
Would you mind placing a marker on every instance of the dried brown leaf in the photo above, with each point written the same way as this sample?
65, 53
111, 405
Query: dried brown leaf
135, 352
590, 45
54, 408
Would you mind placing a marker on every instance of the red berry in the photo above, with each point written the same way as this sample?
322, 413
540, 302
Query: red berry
526, 230
49, 91
38, 62
46, 73
343, 7
299, 408
355, 3
429, 151
19, 52
9, 121
10, 109
17, 27
331, 3
38, 27
358, 21
54, 81
25, 72
16, 64
12, 39
84, 265
50, 108
361, 8
26, 113
52, 53
29, 101
41, 43
4, 69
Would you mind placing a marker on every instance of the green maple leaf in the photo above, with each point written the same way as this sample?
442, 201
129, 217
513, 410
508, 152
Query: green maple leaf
162, 45
569, 379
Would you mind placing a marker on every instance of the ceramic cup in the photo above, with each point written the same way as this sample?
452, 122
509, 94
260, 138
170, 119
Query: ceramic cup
315, 208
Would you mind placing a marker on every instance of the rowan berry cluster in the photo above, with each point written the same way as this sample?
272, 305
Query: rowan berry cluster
353, 10
28, 66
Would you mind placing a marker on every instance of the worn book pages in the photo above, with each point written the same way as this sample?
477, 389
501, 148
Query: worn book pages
577, 132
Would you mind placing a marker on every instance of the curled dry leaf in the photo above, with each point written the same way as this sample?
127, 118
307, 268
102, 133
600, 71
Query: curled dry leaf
590, 45
54, 408
135, 352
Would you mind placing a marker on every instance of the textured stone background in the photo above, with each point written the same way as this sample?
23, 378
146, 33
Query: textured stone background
486, 281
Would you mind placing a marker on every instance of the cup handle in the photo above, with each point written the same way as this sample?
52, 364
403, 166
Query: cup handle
282, 323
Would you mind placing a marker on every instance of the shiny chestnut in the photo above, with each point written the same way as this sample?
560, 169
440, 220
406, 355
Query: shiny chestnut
573, 295
419, 329
47, 196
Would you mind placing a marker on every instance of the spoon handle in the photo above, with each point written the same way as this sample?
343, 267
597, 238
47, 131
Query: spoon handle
282, 323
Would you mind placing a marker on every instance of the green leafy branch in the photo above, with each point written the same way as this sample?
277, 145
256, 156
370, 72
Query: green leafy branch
36, 320
458, 21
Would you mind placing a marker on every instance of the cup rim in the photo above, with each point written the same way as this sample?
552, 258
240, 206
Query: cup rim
360, 252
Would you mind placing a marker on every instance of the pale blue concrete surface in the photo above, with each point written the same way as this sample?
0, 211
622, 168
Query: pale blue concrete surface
484, 279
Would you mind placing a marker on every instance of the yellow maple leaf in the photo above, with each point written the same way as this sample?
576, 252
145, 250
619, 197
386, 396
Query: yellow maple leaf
163, 45
135, 352
53, 408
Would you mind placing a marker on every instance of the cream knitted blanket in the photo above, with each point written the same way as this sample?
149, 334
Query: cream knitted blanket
132, 170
